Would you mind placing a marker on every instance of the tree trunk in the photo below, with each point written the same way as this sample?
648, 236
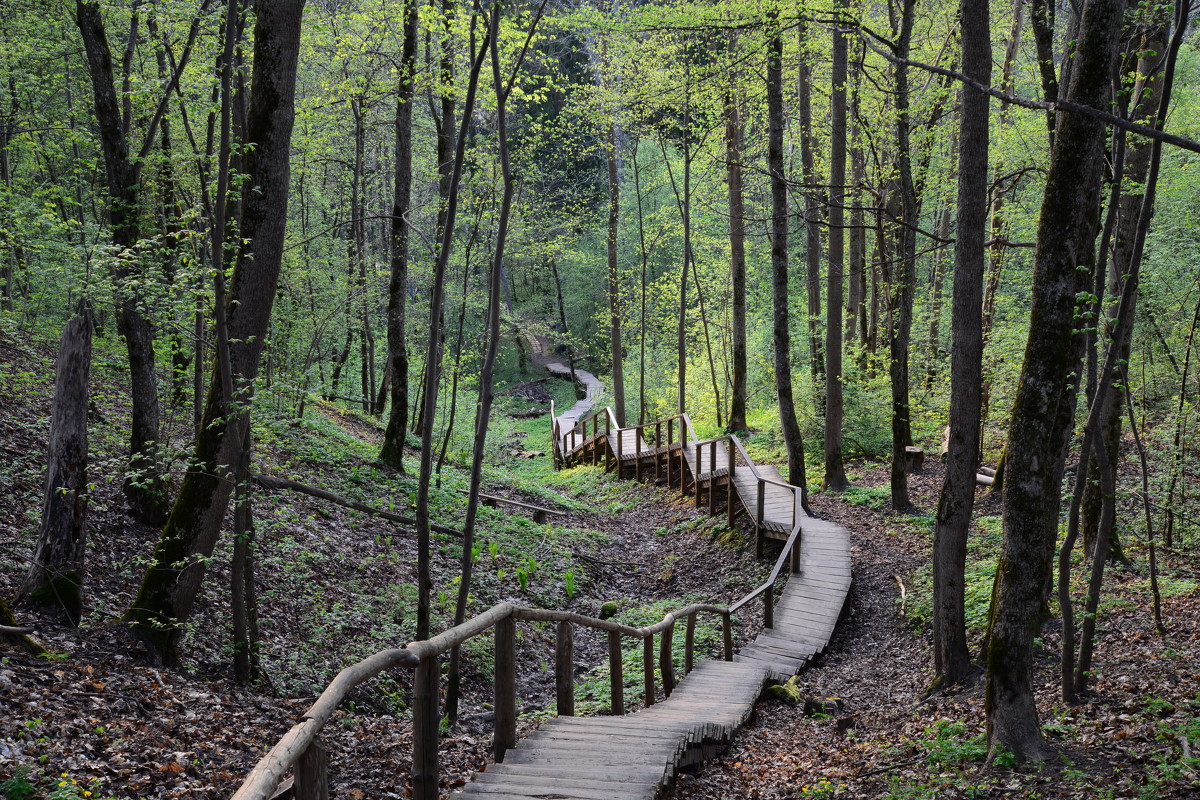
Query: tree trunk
737, 257
392, 452
835, 470
812, 224
1046, 394
167, 593
952, 660
905, 275
55, 577
614, 283
145, 485
781, 335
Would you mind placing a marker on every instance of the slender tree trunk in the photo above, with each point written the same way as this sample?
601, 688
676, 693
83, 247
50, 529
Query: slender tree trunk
614, 282
737, 257
905, 275
167, 593
812, 223
835, 470
392, 452
952, 660
1046, 394
145, 485
781, 335
433, 357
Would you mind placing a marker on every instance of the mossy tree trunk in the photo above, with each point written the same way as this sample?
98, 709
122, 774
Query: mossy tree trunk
1046, 393
172, 581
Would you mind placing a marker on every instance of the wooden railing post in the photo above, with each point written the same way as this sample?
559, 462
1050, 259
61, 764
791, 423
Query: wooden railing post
619, 460
670, 441
564, 669
657, 445
648, 668
796, 552
712, 479
616, 674
762, 499
637, 453
505, 687
727, 634
699, 471
689, 643
769, 607
425, 730
608, 449
310, 776
665, 663
730, 488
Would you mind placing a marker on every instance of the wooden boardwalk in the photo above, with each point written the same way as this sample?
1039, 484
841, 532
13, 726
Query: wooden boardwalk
635, 756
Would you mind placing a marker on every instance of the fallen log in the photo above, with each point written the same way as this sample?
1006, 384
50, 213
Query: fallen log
279, 484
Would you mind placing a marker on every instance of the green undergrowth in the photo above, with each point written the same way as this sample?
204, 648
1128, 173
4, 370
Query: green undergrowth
947, 757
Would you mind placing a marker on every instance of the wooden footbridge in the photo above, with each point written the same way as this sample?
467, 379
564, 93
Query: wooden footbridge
622, 756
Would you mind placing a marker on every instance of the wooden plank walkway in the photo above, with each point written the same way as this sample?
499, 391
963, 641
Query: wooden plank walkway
635, 756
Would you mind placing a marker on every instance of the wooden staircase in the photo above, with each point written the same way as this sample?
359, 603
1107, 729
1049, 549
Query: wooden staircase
622, 756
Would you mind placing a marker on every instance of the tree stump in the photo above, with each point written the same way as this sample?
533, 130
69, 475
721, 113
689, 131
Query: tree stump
914, 459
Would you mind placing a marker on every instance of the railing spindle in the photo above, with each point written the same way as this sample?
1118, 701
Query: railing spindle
616, 674
425, 730
769, 607
505, 698
648, 668
665, 663
564, 669
689, 643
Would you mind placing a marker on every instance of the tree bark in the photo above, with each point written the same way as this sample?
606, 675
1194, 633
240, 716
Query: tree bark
952, 660
392, 452
55, 577
173, 579
1045, 404
781, 335
737, 257
812, 224
145, 484
614, 283
835, 469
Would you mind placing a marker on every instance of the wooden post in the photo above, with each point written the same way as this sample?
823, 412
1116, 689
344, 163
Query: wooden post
620, 438
730, 489
505, 683
796, 554
425, 730
698, 472
310, 776
616, 674
689, 643
657, 445
665, 663
727, 634
712, 478
762, 499
670, 441
564, 669
648, 668
637, 453
608, 448
769, 607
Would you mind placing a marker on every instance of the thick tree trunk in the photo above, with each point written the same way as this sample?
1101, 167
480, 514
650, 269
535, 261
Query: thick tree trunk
168, 590
55, 577
952, 660
392, 452
781, 335
1046, 394
835, 470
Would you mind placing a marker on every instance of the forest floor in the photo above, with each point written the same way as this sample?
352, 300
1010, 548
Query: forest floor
95, 720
